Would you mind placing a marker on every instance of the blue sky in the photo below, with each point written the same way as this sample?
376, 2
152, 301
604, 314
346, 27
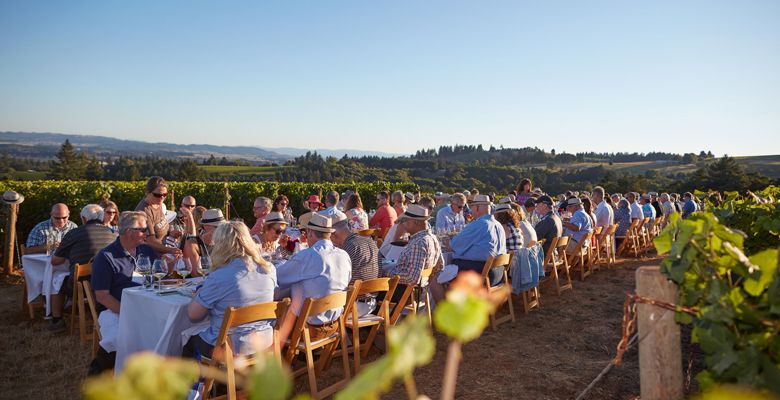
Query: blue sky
675, 76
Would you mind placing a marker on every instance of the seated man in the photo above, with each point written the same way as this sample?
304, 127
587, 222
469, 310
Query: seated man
331, 201
578, 226
451, 218
422, 251
78, 246
363, 254
385, 214
482, 238
316, 272
549, 225
112, 272
58, 225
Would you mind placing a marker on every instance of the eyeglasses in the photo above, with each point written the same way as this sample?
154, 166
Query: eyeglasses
61, 218
109, 212
188, 205
160, 195
142, 229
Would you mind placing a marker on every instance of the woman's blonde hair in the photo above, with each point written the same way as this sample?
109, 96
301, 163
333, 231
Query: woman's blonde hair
232, 240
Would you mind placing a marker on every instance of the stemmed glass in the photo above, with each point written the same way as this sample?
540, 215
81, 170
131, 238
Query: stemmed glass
205, 266
183, 267
159, 270
144, 267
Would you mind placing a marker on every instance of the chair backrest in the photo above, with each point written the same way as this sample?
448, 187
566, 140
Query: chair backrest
352, 295
500, 260
548, 256
597, 230
612, 229
425, 275
367, 232
88, 294
237, 316
379, 285
329, 302
563, 241
82, 271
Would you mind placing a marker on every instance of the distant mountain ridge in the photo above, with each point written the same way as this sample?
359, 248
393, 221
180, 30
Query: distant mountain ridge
46, 145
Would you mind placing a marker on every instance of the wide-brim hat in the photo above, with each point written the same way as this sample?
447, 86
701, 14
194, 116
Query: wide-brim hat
417, 212
502, 207
409, 196
337, 217
212, 216
574, 201
320, 223
314, 199
11, 197
481, 199
274, 218
507, 200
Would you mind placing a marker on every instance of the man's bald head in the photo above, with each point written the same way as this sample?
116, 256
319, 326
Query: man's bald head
59, 215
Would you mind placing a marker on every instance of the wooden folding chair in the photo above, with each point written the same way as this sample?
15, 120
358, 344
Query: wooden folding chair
86, 287
367, 232
644, 233
550, 272
379, 320
630, 240
81, 273
499, 261
561, 264
594, 254
604, 245
223, 354
400, 306
300, 341
581, 256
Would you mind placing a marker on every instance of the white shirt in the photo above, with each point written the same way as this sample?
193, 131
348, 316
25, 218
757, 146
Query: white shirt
636, 211
316, 272
605, 216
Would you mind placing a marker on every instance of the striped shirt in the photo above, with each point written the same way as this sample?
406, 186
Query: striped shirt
81, 244
364, 256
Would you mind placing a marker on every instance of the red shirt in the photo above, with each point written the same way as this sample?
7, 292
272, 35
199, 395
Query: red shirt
383, 219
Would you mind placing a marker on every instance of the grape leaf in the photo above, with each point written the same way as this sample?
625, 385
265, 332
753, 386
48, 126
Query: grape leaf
767, 262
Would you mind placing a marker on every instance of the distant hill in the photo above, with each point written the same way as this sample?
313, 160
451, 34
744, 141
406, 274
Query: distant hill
46, 145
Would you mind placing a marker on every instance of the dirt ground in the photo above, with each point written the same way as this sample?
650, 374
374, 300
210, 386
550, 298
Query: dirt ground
552, 353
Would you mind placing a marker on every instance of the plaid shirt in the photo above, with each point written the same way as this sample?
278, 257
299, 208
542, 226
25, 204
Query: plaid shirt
515, 238
37, 236
364, 256
423, 251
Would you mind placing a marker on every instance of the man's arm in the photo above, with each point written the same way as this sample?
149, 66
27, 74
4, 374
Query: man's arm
105, 298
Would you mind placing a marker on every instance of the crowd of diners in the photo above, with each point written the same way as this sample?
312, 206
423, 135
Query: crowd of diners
324, 249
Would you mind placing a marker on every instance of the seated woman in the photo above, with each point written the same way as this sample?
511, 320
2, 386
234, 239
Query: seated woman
272, 240
507, 217
199, 226
240, 277
281, 206
623, 221
357, 218
110, 214
529, 233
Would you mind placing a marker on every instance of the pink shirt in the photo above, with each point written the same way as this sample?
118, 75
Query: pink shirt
257, 229
383, 219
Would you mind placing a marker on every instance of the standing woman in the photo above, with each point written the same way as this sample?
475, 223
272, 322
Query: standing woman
524, 190
239, 277
110, 215
357, 218
152, 205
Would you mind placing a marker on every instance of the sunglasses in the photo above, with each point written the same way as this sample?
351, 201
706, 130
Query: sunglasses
110, 212
188, 205
279, 231
144, 229
160, 195
60, 218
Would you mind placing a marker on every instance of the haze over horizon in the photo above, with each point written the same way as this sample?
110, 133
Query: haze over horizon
605, 76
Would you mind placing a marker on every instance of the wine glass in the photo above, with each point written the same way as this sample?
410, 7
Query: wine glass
159, 270
144, 267
205, 265
183, 267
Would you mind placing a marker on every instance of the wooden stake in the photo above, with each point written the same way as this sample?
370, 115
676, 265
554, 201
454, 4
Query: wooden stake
10, 240
660, 359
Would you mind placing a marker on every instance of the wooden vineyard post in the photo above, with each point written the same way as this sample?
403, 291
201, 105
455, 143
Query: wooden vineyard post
660, 359
10, 239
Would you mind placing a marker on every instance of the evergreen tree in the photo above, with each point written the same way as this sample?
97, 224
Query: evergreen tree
70, 164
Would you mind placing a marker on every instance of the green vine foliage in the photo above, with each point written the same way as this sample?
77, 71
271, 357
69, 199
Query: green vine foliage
41, 195
736, 298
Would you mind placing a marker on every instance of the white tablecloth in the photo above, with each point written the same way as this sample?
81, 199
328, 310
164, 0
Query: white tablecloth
150, 322
42, 278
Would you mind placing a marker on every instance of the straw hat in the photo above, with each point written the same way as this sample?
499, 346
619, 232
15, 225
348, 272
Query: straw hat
574, 201
417, 212
502, 207
319, 223
11, 197
273, 218
481, 199
212, 216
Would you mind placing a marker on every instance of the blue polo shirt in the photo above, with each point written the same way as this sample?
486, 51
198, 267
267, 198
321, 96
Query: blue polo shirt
113, 268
